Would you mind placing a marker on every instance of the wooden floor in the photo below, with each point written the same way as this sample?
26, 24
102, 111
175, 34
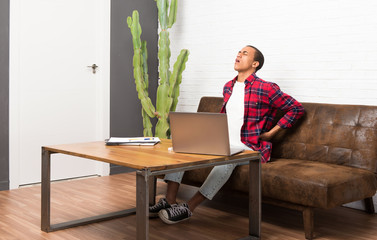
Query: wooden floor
223, 218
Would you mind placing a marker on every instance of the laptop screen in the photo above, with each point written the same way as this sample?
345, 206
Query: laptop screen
202, 133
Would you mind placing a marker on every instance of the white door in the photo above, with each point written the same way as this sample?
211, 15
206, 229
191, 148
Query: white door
55, 98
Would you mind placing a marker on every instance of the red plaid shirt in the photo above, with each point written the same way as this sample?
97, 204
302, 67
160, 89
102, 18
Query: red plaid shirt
262, 99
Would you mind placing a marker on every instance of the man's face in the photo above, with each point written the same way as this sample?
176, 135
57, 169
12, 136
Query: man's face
245, 60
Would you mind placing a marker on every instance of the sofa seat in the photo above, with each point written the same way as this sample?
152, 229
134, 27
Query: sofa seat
310, 183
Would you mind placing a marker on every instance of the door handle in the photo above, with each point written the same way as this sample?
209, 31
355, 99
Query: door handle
93, 67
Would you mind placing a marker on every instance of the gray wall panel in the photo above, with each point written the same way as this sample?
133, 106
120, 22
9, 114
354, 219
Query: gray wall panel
125, 108
4, 95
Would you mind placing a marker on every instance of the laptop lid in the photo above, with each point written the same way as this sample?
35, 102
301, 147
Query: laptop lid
201, 133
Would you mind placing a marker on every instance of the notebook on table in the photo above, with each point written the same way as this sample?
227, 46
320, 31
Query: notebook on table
201, 133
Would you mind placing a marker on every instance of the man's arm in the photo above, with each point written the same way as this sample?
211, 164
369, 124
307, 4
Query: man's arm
293, 111
267, 136
292, 108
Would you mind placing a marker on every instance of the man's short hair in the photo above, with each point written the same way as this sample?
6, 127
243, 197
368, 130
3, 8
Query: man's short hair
258, 57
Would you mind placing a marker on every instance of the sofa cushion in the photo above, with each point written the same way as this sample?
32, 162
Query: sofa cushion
331, 133
310, 183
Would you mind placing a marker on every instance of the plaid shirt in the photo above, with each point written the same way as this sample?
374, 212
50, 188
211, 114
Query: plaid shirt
262, 99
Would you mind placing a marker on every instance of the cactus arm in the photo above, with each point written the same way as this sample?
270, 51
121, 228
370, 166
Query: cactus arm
162, 128
144, 53
163, 88
142, 92
164, 56
162, 125
164, 73
134, 25
163, 6
172, 13
162, 100
176, 78
147, 124
140, 85
163, 42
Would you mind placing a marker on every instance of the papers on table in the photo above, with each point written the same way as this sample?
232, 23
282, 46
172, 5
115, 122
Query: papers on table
131, 141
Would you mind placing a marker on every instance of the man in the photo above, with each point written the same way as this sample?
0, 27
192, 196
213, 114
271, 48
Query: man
250, 104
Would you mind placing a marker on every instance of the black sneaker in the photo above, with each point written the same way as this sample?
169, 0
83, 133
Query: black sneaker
175, 213
162, 204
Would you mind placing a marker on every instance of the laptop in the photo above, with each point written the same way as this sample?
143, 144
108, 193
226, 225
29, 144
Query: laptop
200, 133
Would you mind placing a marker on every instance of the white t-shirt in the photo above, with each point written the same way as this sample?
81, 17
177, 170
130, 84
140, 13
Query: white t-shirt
235, 112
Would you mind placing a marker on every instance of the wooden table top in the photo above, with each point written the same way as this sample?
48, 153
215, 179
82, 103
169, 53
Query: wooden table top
157, 157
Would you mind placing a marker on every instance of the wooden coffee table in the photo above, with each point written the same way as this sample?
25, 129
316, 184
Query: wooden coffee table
149, 161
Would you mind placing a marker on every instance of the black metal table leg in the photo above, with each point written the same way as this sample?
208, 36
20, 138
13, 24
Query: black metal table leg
142, 205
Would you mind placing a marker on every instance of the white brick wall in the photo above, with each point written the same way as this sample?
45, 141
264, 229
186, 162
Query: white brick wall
316, 50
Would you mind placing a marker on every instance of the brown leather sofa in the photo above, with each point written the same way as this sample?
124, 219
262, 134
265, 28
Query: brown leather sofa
329, 158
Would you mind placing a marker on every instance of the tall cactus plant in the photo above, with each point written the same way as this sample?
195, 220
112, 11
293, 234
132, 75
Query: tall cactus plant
168, 88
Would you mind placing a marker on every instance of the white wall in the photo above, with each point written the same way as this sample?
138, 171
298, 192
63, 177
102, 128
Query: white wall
316, 50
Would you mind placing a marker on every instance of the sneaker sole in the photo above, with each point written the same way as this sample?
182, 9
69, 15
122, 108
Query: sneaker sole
167, 221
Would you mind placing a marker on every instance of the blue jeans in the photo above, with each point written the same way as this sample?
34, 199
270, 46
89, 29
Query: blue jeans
215, 180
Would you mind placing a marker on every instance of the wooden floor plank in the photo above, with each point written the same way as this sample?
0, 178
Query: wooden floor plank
223, 218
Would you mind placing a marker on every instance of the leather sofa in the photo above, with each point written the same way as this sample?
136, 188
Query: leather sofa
329, 158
